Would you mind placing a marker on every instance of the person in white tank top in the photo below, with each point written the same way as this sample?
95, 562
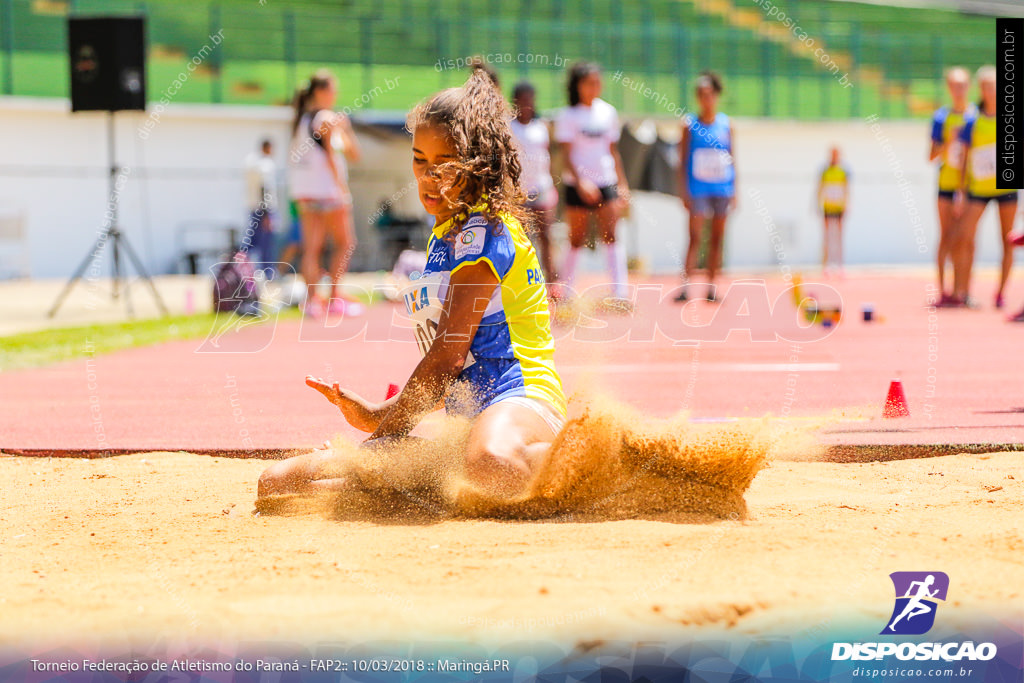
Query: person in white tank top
595, 183
322, 142
531, 136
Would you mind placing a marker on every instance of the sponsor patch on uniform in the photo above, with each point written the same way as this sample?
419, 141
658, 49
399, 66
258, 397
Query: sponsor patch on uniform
470, 242
476, 221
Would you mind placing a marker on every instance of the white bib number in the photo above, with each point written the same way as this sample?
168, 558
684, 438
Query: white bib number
833, 193
954, 156
983, 162
424, 305
711, 165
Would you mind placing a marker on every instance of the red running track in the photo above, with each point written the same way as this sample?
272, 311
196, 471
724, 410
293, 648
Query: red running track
961, 371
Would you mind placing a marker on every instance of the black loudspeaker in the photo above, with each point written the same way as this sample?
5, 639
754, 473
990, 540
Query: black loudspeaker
108, 63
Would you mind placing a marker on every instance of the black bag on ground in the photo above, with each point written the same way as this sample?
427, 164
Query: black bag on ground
234, 286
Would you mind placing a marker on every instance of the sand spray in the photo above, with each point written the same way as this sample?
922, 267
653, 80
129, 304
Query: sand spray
609, 462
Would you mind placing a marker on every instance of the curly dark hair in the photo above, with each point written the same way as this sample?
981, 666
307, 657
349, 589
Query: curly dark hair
475, 119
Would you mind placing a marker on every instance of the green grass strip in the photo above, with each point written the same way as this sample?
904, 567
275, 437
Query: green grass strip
44, 347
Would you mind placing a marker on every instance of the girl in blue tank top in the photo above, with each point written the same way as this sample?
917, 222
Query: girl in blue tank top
708, 187
709, 166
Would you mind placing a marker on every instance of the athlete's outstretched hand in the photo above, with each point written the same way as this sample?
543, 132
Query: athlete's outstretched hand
359, 412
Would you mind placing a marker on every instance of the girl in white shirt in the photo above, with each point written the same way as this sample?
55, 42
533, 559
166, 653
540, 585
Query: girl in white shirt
595, 184
318, 179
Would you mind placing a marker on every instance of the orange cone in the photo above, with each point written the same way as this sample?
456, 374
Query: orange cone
392, 391
896, 401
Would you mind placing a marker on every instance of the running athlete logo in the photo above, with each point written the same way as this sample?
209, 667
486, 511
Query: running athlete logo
917, 596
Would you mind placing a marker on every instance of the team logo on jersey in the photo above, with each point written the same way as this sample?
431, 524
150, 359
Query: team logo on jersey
917, 597
436, 257
416, 300
470, 242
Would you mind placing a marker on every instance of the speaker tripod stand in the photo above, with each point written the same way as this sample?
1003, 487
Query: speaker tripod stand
112, 235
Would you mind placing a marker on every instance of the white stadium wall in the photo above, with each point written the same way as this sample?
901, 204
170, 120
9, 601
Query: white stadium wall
53, 171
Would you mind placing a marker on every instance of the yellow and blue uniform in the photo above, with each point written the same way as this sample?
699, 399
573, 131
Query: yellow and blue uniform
946, 126
512, 353
978, 136
834, 181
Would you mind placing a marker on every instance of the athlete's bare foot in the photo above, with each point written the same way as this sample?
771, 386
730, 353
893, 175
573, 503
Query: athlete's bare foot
355, 409
315, 472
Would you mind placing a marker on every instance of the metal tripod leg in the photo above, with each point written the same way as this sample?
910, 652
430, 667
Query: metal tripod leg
89, 258
141, 270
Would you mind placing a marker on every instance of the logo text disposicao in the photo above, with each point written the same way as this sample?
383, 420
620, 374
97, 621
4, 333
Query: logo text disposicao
949, 652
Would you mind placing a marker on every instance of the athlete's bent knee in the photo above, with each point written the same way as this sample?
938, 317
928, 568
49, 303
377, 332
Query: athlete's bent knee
275, 479
497, 472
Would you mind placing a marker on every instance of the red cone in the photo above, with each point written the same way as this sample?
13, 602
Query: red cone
392, 391
896, 401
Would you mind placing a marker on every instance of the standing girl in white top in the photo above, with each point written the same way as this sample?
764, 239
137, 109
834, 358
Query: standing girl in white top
531, 136
322, 140
595, 184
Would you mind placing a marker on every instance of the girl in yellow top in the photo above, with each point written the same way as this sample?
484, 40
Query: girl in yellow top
978, 182
480, 309
833, 195
947, 148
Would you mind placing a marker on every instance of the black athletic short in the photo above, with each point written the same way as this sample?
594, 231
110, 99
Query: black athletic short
947, 194
999, 198
573, 198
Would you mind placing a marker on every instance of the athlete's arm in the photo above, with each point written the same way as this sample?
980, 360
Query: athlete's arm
564, 137
965, 137
470, 289
684, 181
362, 414
938, 141
963, 170
569, 168
735, 169
620, 172
348, 138
324, 132
585, 186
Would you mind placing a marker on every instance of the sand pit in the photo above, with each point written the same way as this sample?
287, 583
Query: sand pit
164, 545
608, 463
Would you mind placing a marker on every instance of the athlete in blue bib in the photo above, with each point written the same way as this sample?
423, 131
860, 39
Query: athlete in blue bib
709, 168
708, 187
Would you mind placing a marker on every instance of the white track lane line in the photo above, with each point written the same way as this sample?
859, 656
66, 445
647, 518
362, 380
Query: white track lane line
686, 366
